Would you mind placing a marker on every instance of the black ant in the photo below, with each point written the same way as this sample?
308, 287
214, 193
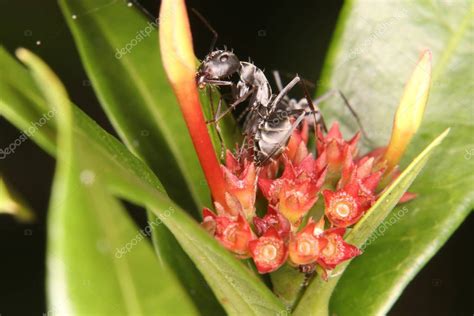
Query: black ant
268, 122
269, 119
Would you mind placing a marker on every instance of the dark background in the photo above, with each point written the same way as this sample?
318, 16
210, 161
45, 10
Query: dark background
291, 36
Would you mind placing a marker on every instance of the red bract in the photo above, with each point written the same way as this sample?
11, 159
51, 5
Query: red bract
241, 187
297, 148
336, 249
336, 149
296, 198
344, 207
272, 219
296, 191
234, 234
306, 246
179, 63
269, 251
382, 178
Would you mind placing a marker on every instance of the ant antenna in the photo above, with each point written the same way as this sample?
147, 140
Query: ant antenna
313, 108
304, 80
142, 8
208, 25
354, 114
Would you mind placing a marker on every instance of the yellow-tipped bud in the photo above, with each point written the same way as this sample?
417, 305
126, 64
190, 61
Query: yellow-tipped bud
179, 62
176, 42
410, 110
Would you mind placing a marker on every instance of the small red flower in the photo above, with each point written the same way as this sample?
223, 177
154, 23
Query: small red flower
336, 149
297, 148
345, 207
241, 187
272, 219
296, 198
296, 191
336, 249
269, 251
234, 234
306, 246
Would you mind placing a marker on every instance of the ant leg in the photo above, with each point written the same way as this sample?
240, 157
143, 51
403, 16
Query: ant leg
242, 115
313, 109
211, 101
331, 93
325, 96
278, 82
219, 133
284, 91
218, 82
307, 82
354, 113
232, 106
218, 129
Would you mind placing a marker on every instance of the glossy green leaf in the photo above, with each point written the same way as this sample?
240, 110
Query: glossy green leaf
124, 64
238, 289
376, 46
98, 262
22, 99
21, 103
122, 59
315, 300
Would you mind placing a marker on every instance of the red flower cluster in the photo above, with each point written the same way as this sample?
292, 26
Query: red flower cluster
287, 231
350, 184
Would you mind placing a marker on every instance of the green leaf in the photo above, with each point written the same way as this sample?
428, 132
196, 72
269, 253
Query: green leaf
89, 234
315, 300
119, 50
134, 91
375, 49
22, 99
22, 104
288, 283
237, 288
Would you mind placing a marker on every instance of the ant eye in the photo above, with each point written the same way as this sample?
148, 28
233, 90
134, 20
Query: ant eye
224, 58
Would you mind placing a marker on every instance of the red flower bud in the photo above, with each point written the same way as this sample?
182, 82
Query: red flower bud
336, 150
179, 63
336, 249
407, 196
269, 251
233, 234
296, 191
274, 219
297, 148
306, 246
296, 198
241, 187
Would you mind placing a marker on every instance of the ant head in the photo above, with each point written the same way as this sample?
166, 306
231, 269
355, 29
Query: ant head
217, 65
